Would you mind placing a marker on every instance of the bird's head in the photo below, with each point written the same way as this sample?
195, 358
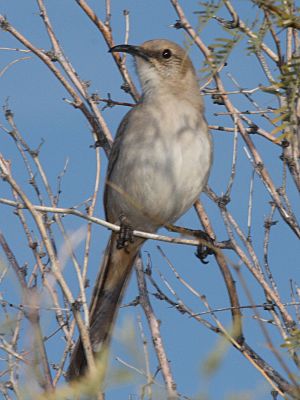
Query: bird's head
161, 64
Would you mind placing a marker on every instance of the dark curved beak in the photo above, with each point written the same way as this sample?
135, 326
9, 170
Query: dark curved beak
133, 50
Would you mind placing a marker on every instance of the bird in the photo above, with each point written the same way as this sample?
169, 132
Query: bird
159, 164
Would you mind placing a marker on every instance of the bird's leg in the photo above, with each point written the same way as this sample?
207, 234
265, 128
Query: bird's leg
125, 235
206, 245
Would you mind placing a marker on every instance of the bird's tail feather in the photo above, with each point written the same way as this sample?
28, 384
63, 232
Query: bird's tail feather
107, 295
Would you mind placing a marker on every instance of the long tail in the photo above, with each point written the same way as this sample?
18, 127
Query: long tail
107, 296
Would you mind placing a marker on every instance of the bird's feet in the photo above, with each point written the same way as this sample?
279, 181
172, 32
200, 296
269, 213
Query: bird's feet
125, 235
205, 247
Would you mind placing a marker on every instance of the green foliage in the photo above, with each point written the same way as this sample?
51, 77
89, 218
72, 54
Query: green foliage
280, 14
210, 10
290, 77
283, 12
216, 357
254, 43
287, 88
220, 49
293, 341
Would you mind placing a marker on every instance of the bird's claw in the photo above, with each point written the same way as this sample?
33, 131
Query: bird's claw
205, 247
125, 235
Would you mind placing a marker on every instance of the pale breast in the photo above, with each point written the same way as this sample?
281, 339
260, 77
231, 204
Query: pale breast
160, 171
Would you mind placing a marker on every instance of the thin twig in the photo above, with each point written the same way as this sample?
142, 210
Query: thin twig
108, 225
155, 332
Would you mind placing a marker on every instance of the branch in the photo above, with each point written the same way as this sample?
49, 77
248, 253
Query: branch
99, 127
260, 168
106, 32
110, 226
56, 270
155, 332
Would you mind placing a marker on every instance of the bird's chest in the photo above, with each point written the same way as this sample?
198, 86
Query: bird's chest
169, 159
170, 166
174, 150
161, 168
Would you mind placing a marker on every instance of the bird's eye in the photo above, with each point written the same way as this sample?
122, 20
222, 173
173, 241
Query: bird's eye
166, 53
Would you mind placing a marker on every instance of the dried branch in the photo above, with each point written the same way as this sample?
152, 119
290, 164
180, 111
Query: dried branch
260, 168
155, 332
99, 127
108, 225
56, 269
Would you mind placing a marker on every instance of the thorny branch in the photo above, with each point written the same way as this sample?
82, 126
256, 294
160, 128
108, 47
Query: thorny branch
43, 243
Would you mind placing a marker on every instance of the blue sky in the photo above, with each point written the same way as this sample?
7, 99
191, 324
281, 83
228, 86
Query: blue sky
36, 100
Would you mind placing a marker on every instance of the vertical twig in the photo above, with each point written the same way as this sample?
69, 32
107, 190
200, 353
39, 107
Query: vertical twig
155, 332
